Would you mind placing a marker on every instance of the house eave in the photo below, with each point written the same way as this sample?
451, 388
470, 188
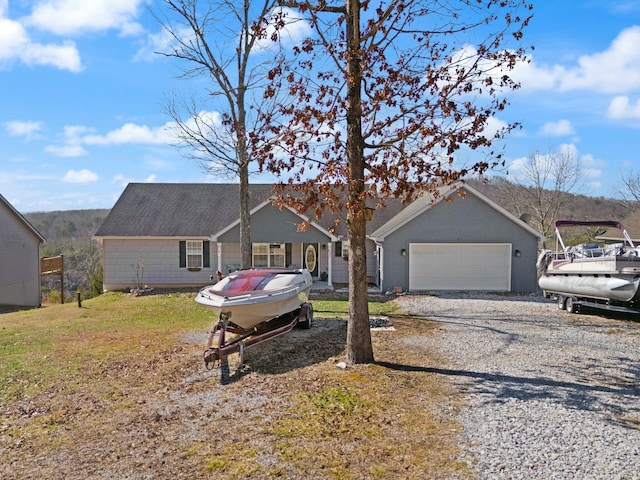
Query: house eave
262, 205
406, 216
152, 237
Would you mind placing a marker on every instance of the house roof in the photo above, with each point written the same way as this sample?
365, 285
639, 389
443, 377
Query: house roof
177, 209
21, 219
200, 210
427, 200
209, 209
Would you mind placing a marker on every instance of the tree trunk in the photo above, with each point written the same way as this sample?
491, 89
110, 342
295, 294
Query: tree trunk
359, 348
243, 174
245, 217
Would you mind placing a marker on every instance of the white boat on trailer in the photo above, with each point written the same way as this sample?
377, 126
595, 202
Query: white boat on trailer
253, 306
253, 296
592, 275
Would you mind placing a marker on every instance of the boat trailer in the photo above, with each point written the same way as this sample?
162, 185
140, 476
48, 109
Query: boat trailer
220, 344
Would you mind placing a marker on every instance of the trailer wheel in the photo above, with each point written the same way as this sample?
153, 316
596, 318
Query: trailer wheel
562, 302
308, 316
570, 305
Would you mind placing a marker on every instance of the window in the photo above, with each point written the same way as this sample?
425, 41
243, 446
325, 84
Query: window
194, 254
342, 249
269, 255
276, 255
260, 255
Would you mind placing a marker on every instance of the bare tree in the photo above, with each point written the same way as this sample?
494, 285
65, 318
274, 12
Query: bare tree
548, 180
222, 42
390, 97
630, 190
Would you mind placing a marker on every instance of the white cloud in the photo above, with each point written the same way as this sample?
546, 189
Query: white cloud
614, 70
72, 146
66, 150
621, 108
64, 56
124, 181
11, 177
202, 121
532, 77
159, 164
80, 176
524, 72
295, 30
18, 128
155, 42
13, 36
591, 167
494, 125
518, 166
560, 128
76, 137
16, 45
73, 17
131, 133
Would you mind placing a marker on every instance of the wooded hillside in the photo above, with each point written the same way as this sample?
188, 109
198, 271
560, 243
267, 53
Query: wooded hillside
61, 226
575, 206
70, 233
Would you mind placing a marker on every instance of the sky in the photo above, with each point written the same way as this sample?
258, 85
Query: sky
83, 97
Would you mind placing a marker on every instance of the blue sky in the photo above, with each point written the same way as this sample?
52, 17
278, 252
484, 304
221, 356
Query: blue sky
82, 97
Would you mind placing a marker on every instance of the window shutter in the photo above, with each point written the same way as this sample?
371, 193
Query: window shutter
338, 246
183, 254
287, 254
206, 263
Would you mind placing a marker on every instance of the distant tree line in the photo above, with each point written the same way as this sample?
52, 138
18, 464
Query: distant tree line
70, 233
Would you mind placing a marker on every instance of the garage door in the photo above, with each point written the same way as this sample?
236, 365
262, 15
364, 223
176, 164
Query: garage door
460, 266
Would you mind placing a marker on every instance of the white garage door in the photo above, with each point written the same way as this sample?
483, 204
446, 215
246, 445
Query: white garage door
460, 266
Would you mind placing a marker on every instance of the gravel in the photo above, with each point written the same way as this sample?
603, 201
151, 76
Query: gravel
547, 394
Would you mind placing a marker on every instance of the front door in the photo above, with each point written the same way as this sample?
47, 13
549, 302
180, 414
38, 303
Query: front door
310, 252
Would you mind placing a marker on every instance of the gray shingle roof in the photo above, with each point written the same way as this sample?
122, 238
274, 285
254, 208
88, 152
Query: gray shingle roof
197, 209
176, 209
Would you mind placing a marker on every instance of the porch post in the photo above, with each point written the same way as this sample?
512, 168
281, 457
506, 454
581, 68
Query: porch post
329, 264
380, 267
219, 253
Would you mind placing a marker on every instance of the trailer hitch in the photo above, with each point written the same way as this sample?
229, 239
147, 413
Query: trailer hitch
211, 358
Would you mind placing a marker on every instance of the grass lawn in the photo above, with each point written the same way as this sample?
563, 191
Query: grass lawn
117, 389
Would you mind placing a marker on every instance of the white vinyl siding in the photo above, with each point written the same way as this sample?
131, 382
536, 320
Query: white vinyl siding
460, 266
161, 267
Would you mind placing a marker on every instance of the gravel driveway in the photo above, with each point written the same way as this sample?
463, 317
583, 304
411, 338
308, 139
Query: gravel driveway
550, 395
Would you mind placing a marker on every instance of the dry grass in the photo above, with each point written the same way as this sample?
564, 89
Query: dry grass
117, 389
